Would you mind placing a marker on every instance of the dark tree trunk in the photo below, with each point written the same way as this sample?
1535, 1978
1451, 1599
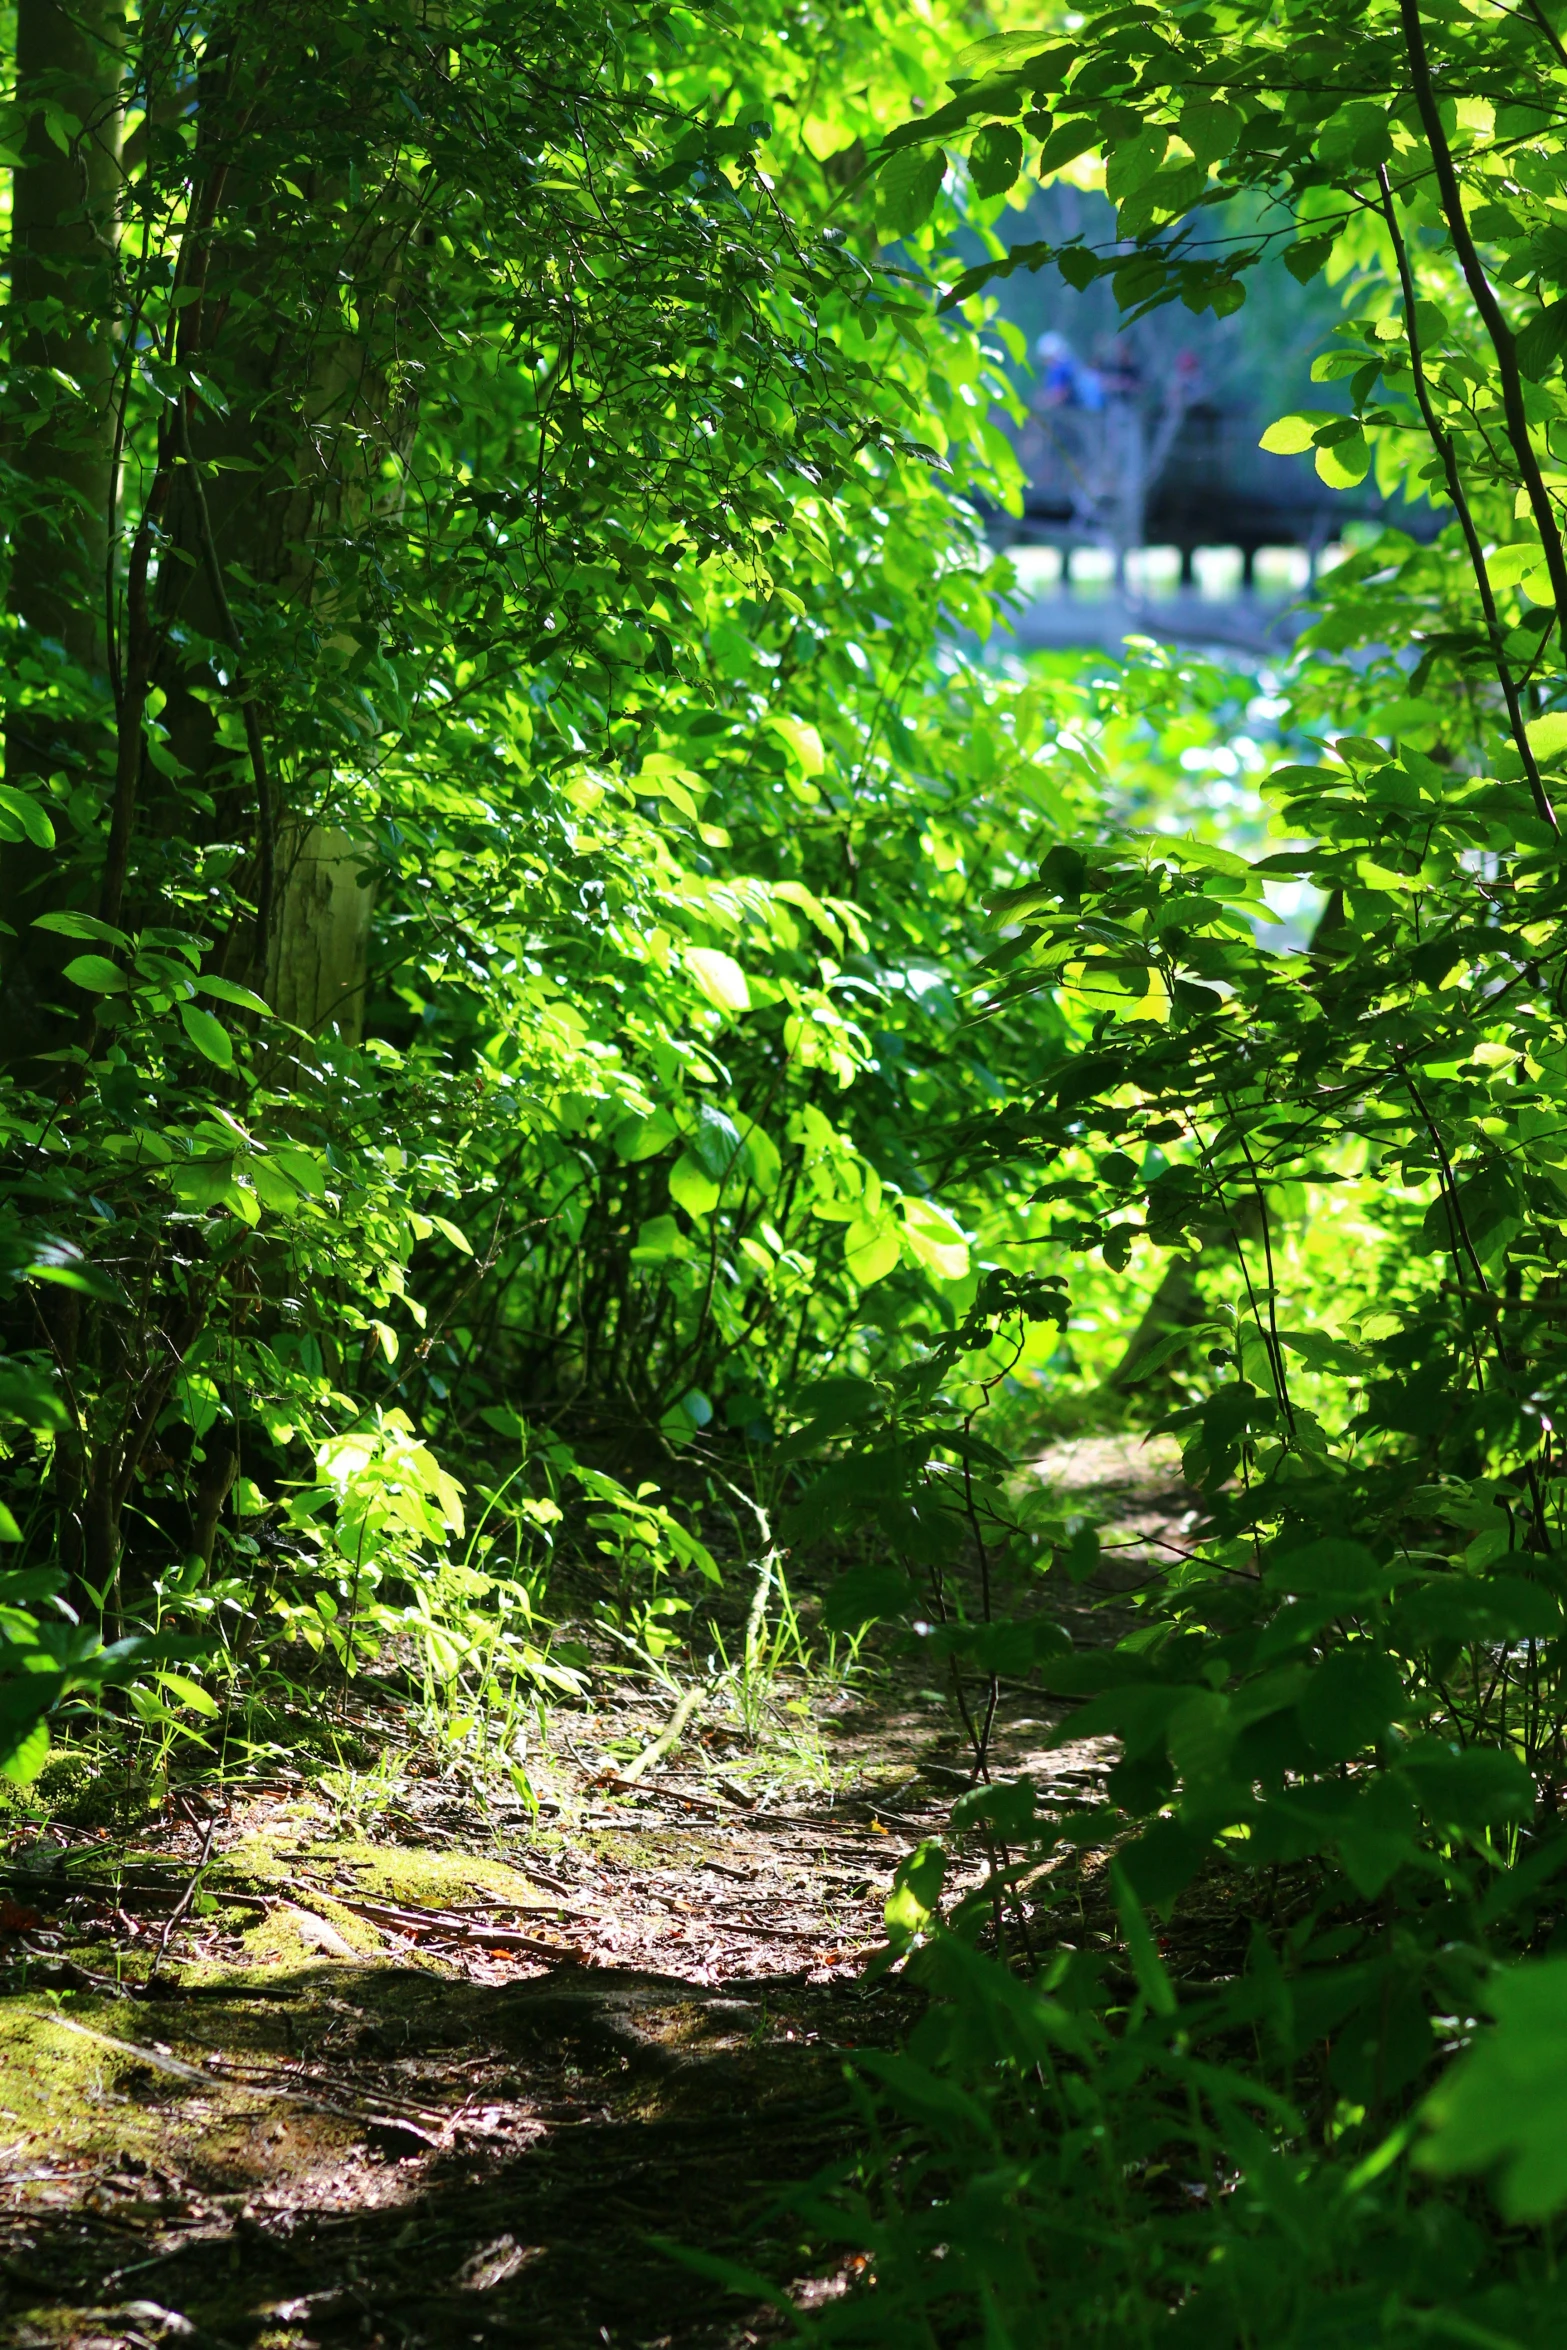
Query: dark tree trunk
60, 442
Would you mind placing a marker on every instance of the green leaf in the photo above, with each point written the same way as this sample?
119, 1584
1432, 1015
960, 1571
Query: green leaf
1377, 1837
692, 1188
228, 991
1293, 434
97, 973
931, 2097
1469, 1787
719, 977
209, 1036
1162, 1862
1548, 737
1152, 1979
713, 1140
1510, 564
1353, 1697
1001, 53
1210, 128
931, 1236
1503, 2106
1200, 1735
870, 1250
1331, 1567
202, 1183
658, 1239
72, 925
916, 1893
995, 159
18, 1585
1134, 161
1010, 1807
761, 1156
643, 1138
1543, 342
834, 1404
1066, 142
301, 1167
906, 190
1012, 1646
23, 1752
1346, 463
188, 1692
272, 1187
803, 741
26, 812
1309, 257
1079, 267
864, 1594
1470, 1608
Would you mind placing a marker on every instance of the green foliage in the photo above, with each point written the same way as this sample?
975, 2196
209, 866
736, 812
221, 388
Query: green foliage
1343, 1703
664, 1001
1502, 2104
543, 944
559, 582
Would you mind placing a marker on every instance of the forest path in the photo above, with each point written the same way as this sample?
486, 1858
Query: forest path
441, 2075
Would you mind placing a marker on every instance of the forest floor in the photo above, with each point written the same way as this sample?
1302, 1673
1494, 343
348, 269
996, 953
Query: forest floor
411, 2069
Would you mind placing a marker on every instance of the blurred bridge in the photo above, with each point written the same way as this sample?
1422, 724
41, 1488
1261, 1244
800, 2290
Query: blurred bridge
1160, 516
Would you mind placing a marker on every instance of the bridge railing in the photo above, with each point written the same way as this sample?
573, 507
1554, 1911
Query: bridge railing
1218, 574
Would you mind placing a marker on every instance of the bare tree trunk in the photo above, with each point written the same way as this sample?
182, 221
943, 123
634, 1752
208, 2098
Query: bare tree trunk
278, 492
316, 964
60, 440
1178, 1300
68, 66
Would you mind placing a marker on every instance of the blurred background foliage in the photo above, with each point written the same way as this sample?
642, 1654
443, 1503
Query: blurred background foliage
572, 699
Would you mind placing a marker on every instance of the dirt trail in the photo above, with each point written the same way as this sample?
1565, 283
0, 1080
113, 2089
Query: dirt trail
442, 2074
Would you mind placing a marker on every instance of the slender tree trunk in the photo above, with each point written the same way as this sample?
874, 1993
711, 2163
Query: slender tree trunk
273, 497
68, 66
60, 442
318, 954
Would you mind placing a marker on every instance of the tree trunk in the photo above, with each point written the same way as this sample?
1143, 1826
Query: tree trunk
275, 493
1178, 1300
64, 206
316, 964
60, 443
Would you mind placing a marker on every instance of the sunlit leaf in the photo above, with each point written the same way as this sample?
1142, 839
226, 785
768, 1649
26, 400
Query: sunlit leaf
719, 977
209, 1036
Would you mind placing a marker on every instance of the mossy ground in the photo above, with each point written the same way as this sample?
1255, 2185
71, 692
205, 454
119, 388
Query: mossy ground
300, 2126
391, 2141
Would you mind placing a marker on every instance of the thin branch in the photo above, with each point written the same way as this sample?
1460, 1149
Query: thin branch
1442, 442
266, 811
1496, 326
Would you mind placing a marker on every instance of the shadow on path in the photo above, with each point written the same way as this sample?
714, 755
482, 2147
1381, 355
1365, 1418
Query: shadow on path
318, 2199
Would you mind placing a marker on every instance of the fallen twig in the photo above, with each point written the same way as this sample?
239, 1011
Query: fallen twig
188, 1896
444, 1926
668, 1738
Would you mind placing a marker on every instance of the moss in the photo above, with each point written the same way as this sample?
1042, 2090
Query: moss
281, 1859
74, 2096
627, 1850
88, 1790
64, 1779
431, 1879
285, 1855
284, 1938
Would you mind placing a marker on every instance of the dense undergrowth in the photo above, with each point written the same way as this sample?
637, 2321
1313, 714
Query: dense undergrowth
577, 1024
